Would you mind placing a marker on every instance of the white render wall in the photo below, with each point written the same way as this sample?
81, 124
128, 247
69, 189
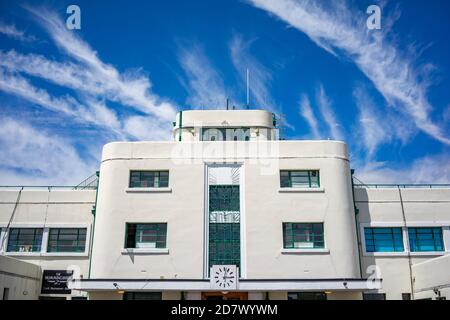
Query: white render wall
47, 209
21, 278
181, 206
382, 207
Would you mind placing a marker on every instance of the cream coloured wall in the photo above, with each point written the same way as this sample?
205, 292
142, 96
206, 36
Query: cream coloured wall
265, 208
382, 207
44, 209
20, 278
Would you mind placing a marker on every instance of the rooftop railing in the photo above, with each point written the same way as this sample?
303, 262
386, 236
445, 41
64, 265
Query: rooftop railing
49, 188
404, 186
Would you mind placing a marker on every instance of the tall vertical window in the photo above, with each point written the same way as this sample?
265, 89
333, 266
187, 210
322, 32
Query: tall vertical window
148, 235
299, 179
303, 236
224, 225
383, 239
66, 240
25, 240
149, 179
425, 239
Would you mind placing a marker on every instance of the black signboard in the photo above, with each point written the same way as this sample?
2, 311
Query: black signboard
55, 281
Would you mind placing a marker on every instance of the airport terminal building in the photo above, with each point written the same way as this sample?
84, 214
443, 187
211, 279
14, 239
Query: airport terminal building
226, 210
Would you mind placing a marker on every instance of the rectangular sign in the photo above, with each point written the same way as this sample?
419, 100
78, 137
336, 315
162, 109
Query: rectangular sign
55, 281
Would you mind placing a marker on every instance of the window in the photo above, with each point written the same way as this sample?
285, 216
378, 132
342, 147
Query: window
303, 235
224, 225
67, 240
5, 293
307, 296
425, 239
384, 239
149, 179
142, 296
149, 235
406, 296
374, 296
228, 134
25, 240
299, 179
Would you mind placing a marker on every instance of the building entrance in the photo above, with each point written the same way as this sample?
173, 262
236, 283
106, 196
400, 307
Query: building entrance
224, 296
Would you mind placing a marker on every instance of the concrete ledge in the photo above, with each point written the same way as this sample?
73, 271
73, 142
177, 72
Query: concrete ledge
145, 251
148, 190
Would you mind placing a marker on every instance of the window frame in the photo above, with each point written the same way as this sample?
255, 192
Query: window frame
225, 133
141, 171
432, 228
391, 233
33, 252
78, 229
135, 249
310, 179
321, 248
45, 237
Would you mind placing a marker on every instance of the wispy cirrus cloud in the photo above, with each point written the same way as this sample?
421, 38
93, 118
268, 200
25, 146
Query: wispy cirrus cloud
428, 169
335, 27
93, 81
10, 30
35, 157
306, 111
202, 80
259, 76
325, 106
375, 127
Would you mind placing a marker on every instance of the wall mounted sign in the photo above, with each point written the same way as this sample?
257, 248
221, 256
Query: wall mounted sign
55, 281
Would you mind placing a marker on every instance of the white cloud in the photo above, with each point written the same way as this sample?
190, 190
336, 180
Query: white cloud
204, 83
375, 128
326, 110
97, 113
38, 158
433, 169
308, 114
334, 27
259, 76
93, 81
11, 31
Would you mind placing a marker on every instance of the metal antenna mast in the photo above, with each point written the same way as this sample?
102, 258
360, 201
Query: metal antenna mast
248, 90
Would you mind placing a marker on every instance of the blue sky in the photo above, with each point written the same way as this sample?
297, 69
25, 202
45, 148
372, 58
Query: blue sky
123, 76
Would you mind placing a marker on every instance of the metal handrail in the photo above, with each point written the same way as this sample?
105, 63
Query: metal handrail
48, 187
404, 186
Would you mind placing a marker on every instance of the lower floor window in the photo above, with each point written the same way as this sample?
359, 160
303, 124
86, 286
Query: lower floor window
224, 244
142, 296
383, 239
425, 239
146, 235
374, 296
307, 296
25, 240
303, 235
66, 240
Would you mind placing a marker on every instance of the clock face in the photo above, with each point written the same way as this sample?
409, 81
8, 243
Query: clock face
224, 277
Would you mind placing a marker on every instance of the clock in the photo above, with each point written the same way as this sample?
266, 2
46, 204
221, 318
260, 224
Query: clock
224, 277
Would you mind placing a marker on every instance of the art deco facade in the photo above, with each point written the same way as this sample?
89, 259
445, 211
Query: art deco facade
284, 217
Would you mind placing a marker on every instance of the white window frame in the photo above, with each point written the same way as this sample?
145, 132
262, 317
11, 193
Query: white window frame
323, 250
46, 230
445, 225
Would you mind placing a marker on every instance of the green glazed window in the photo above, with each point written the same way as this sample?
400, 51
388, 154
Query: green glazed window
149, 179
299, 179
303, 236
25, 240
67, 240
